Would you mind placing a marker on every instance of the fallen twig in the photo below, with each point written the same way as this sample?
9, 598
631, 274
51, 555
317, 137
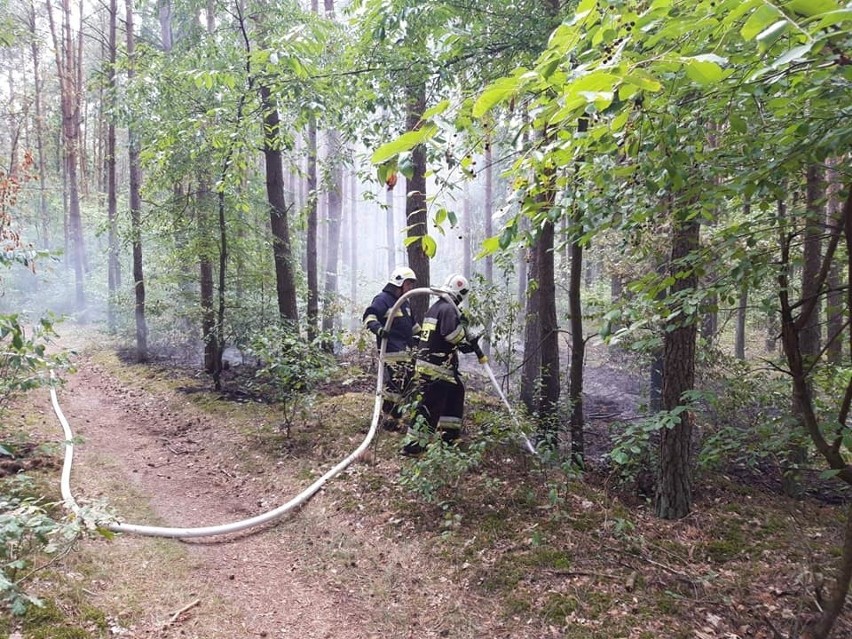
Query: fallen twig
175, 616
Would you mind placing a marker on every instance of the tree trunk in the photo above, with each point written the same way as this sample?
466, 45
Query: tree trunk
165, 15
81, 114
740, 338
113, 265
209, 332
524, 258
674, 487
353, 242
284, 280
578, 342
827, 438
390, 231
834, 296
488, 205
335, 213
740, 332
136, 208
710, 320
44, 215
313, 283
467, 232
575, 308
208, 315
821, 628
809, 336
531, 369
415, 209
487, 215
540, 382
69, 103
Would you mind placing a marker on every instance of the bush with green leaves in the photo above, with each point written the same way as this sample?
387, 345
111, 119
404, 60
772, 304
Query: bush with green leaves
436, 474
291, 365
32, 537
633, 451
24, 361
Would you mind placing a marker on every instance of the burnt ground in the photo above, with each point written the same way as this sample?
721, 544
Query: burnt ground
508, 550
615, 393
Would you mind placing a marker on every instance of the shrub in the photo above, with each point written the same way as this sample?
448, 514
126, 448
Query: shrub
30, 539
292, 365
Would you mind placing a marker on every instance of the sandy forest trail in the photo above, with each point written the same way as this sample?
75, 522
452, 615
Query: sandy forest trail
318, 573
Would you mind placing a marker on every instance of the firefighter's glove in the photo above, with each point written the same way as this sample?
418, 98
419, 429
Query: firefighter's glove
470, 345
464, 320
382, 333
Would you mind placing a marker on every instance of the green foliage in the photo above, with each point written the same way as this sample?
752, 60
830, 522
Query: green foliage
24, 361
489, 308
292, 365
30, 536
632, 452
436, 474
745, 421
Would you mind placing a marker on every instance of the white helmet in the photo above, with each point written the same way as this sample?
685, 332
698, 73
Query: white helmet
400, 274
457, 286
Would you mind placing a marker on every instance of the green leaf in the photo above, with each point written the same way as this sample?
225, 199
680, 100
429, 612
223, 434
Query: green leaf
738, 124
429, 246
704, 71
811, 8
762, 17
438, 109
741, 9
770, 35
834, 17
601, 99
494, 95
404, 142
643, 80
507, 236
796, 53
489, 246
385, 170
619, 121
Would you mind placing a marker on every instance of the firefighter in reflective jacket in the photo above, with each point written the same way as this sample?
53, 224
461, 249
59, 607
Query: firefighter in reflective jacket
401, 339
436, 367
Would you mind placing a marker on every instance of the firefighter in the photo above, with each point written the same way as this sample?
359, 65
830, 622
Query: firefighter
401, 338
436, 367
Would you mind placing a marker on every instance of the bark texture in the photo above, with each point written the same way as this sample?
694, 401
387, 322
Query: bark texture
674, 485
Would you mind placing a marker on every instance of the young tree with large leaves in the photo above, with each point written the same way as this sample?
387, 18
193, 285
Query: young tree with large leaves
653, 78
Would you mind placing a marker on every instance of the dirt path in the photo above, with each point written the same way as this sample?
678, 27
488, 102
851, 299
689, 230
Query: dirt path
319, 573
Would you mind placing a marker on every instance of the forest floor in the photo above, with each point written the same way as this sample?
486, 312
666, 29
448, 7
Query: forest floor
507, 550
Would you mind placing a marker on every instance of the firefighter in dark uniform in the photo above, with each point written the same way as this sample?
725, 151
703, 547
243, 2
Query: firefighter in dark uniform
436, 368
401, 337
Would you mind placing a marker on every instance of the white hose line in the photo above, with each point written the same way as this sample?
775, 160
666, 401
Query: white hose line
298, 500
527, 442
205, 531
237, 526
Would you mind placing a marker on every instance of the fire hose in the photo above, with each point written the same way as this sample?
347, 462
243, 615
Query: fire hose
295, 502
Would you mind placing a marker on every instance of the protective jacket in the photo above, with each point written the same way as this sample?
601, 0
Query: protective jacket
402, 330
440, 338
